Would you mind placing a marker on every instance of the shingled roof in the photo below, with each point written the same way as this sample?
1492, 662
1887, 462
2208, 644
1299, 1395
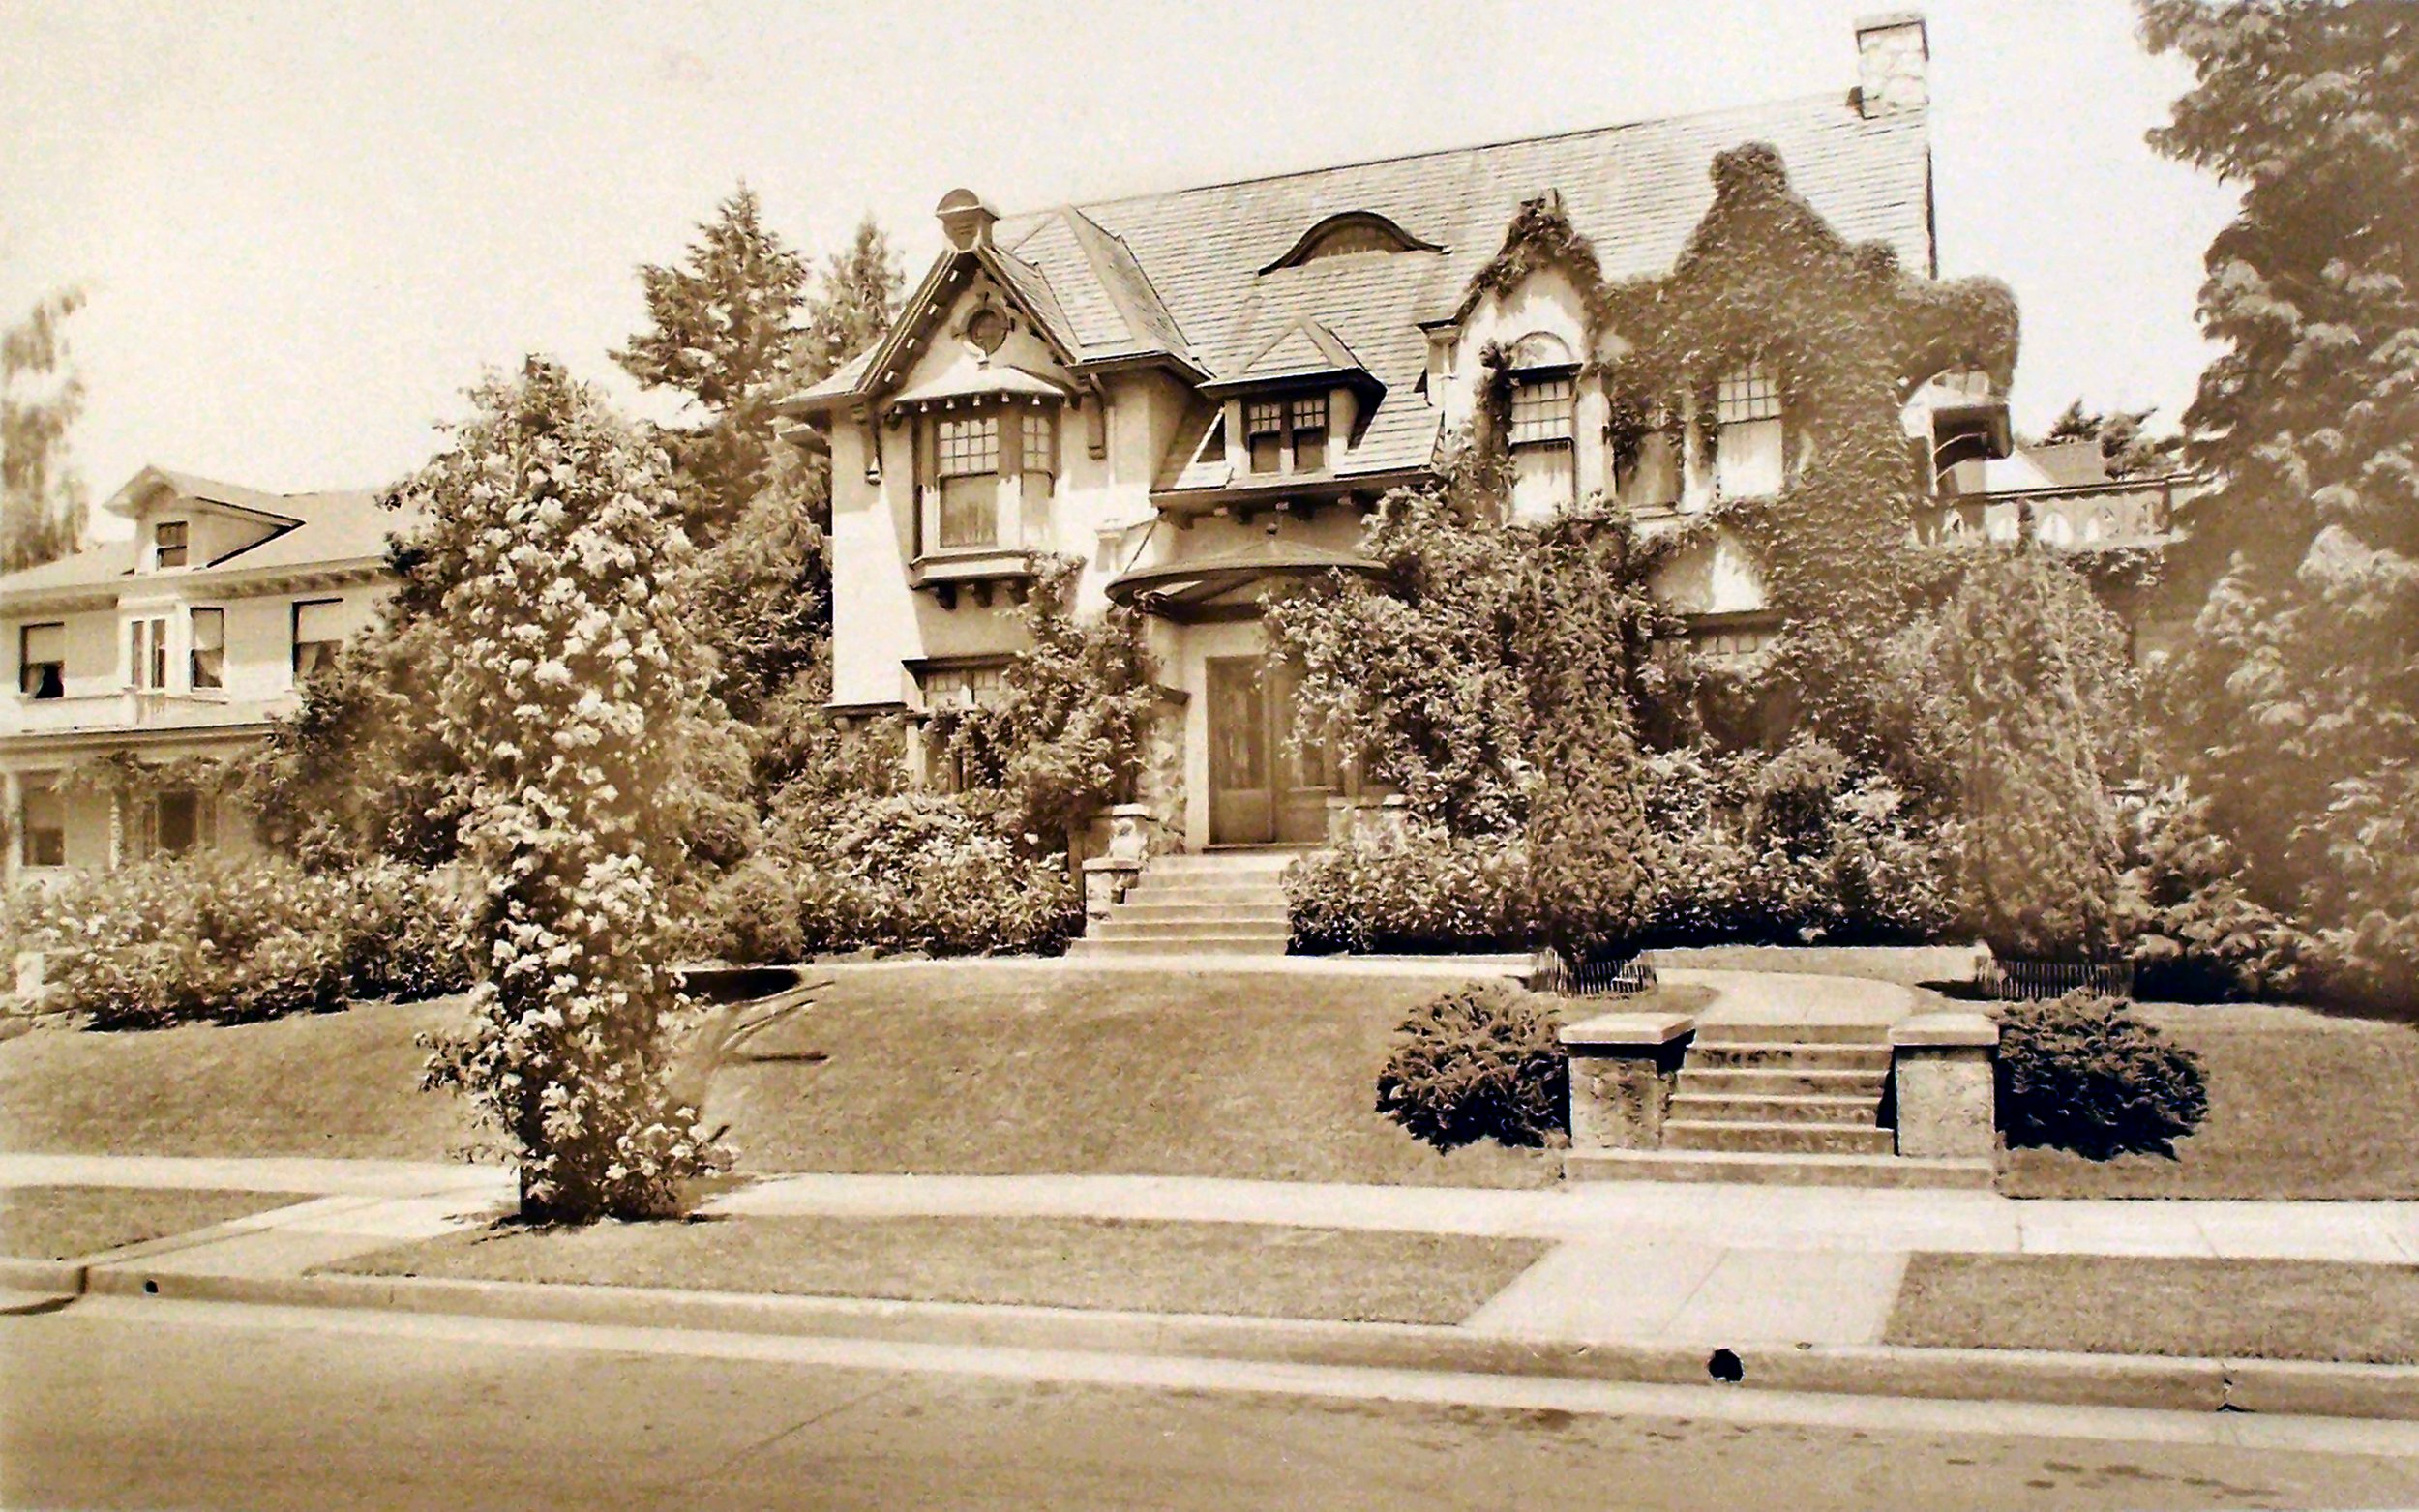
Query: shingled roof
1181, 273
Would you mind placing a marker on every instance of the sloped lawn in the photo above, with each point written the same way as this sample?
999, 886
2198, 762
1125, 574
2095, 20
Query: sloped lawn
2300, 1105
338, 1085
64, 1221
969, 1067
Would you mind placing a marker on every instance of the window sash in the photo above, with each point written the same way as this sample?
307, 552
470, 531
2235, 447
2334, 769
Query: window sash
969, 510
1309, 416
169, 543
147, 647
968, 448
964, 687
41, 661
319, 629
1037, 430
1748, 394
1542, 410
42, 823
208, 656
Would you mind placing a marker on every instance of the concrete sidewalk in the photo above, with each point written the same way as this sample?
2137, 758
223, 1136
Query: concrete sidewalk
1639, 1262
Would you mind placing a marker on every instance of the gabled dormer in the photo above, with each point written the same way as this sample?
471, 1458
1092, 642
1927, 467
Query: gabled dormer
182, 522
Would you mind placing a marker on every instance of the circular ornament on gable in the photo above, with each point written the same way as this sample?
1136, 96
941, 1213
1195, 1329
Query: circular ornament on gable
987, 329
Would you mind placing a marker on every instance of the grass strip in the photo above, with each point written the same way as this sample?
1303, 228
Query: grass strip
64, 1221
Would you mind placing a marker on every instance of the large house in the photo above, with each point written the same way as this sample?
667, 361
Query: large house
1199, 394
171, 648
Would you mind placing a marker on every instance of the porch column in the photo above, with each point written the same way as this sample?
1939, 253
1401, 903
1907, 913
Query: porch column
117, 829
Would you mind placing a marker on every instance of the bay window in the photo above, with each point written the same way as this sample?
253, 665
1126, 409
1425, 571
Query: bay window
985, 477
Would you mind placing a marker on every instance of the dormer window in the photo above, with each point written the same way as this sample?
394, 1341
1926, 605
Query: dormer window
168, 544
1343, 235
1287, 434
1747, 459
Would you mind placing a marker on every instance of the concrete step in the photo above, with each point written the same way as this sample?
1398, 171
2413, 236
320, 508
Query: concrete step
1118, 927
1847, 1112
1728, 1032
1169, 890
1222, 863
1717, 1166
1777, 1139
1153, 912
1746, 1055
1768, 1082
1198, 946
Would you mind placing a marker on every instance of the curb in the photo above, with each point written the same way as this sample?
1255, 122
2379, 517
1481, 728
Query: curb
2298, 1388
54, 1278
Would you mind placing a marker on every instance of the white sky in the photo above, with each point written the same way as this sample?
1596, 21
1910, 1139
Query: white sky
305, 228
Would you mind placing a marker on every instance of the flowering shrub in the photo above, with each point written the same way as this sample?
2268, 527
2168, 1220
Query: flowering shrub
913, 870
1482, 1062
2081, 1073
226, 939
569, 689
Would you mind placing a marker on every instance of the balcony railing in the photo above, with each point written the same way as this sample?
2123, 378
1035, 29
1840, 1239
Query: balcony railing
2085, 517
126, 708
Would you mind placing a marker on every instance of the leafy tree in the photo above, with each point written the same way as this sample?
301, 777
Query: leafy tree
571, 694
853, 304
42, 501
2295, 708
2018, 698
2123, 444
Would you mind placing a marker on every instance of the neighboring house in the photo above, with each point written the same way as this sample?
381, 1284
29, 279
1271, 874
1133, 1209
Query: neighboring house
1200, 393
2122, 528
179, 643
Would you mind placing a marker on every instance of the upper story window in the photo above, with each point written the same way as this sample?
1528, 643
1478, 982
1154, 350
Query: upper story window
147, 653
1748, 458
968, 451
206, 656
1352, 232
41, 661
1541, 409
1287, 434
318, 635
169, 543
1539, 434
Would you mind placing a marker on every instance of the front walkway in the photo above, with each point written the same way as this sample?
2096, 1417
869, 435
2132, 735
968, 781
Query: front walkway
1632, 1263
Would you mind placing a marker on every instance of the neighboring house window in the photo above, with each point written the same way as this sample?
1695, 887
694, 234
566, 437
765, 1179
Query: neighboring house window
177, 823
969, 455
318, 633
1747, 461
1544, 467
1263, 424
147, 653
208, 656
168, 543
1310, 433
41, 661
44, 825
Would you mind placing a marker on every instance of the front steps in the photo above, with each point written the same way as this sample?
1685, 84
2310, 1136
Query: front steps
1789, 1103
1211, 903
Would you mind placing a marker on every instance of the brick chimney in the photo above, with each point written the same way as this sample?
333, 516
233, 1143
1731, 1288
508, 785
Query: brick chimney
965, 218
1892, 50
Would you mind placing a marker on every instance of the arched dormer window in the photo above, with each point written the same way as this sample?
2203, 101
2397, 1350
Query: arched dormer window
1353, 231
1541, 412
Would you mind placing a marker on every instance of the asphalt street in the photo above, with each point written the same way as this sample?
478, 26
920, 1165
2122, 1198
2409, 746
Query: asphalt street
135, 1403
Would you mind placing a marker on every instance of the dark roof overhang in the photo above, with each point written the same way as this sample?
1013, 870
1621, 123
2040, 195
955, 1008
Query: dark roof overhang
1176, 589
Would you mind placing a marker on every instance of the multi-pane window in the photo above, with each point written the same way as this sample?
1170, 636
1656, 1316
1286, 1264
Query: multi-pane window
967, 453
1264, 422
147, 653
169, 543
43, 826
318, 635
963, 686
1039, 434
207, 656
41, 661
1310, 433
176, 823
1750, 394
1748, 458
1542, 411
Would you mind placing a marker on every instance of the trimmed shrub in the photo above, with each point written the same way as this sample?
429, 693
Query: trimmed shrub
231, 939
2080, 1073
1482, 1062
1422, 890
912, 870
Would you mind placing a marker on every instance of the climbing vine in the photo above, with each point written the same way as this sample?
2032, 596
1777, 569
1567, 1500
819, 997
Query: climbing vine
1847, 333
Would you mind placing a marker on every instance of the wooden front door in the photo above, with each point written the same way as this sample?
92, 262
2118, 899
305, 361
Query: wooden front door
1260, 793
